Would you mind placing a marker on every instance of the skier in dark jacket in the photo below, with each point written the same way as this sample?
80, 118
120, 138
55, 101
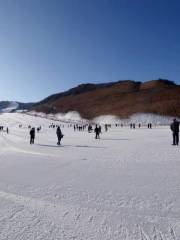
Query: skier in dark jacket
175, 130
97, 131
90, 128
32, 135
59, 135
106, 127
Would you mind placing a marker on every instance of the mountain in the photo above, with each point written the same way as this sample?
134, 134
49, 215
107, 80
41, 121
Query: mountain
12, 106
122, 98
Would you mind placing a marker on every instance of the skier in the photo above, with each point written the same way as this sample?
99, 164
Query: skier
89, 128
97, 131
100, 129
32, 135
175, 130
7, 130
59, 135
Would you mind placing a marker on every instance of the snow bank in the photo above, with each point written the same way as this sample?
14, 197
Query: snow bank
143, 118
75, 117
107, 119
72, 116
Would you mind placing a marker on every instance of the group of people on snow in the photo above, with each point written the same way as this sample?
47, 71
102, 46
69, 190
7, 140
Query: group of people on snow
60, 135
97, 130
2, 129
174, 126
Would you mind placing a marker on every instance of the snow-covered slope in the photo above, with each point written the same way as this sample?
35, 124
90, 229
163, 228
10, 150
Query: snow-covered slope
12, 106
6, 106
124, 186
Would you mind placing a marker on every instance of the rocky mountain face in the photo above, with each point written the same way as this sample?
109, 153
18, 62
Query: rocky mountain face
122, 98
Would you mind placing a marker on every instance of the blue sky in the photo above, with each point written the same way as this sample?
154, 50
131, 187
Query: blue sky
48, 46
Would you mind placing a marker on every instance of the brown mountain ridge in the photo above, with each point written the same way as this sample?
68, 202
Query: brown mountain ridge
122, 98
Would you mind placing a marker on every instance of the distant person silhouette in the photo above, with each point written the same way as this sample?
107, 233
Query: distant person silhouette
175, 131
90, 128
32, 135
97, 131
59, 135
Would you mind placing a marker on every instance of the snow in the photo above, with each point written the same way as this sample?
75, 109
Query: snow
143, 118
108, 119
72, 116
75, 117
125, 186
11, 106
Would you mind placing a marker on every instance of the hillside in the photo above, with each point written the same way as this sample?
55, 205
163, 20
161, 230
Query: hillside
122, 98
12, 106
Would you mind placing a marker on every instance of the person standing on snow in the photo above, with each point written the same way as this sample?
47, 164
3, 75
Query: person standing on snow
32, 135
97, 131
175, 130
59, 135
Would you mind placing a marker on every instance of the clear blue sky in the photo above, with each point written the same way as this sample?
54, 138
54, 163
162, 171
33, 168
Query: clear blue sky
48, 46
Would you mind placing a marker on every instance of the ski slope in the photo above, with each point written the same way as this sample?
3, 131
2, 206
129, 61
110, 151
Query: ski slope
125, 186
7, 107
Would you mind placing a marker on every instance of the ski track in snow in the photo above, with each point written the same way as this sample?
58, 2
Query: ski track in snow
124, 186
